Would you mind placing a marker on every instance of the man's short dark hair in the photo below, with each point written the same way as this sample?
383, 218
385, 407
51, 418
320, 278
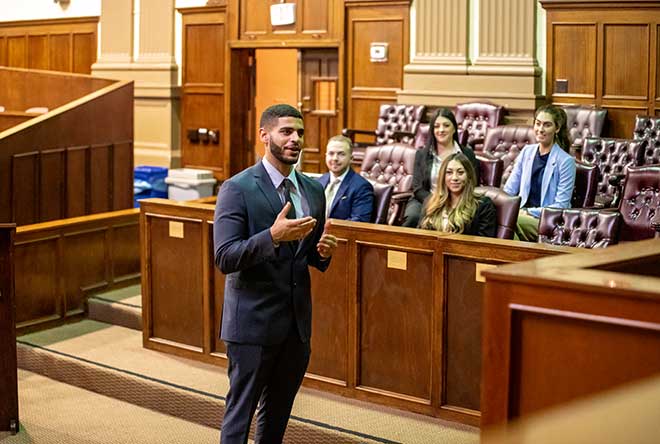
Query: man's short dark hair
272, 113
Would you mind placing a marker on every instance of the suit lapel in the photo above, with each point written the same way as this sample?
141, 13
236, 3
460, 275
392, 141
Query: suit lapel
343, 188
267, 187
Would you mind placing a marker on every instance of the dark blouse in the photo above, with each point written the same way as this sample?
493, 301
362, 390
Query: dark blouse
484, 222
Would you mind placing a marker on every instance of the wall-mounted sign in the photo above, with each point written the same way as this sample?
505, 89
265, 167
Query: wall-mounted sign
378, 52
283, 14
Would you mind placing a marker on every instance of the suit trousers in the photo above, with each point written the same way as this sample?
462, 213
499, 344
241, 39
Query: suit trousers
267, 375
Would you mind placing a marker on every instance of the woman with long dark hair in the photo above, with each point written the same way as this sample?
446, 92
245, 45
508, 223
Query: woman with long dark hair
442, 142
454, 207
543, 173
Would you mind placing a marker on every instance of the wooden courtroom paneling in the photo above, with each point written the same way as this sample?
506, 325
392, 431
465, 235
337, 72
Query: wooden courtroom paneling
395, 330
70, 161
203, 94
607, 51
59, 263
558, 329
576, 42
315, 21
67, 45
8, 375
176, 289
28, 88
330, 315
371, 83
405, 338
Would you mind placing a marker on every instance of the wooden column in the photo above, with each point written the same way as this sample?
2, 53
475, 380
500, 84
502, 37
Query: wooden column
495, 62
153, 69
8, 375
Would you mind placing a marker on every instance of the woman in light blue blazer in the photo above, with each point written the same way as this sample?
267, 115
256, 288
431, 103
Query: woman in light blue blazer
543, 173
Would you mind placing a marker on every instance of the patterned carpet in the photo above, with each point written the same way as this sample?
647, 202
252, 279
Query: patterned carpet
110, 360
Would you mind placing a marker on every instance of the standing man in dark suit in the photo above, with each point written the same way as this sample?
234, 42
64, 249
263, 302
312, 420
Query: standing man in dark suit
348, 195
269, 227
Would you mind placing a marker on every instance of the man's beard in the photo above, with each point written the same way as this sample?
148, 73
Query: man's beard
278, 152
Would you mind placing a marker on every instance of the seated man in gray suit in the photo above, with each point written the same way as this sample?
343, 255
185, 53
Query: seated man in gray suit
348, 195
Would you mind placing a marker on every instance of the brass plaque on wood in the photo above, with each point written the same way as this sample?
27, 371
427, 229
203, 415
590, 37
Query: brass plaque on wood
176, 229
397, 259
479, 269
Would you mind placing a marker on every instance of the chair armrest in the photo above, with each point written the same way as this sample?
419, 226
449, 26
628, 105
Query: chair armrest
655, 224
616, 180
402, 197
476, 141
350, 133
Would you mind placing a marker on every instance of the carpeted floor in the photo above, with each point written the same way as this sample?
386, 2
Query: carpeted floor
55, 413
119, 350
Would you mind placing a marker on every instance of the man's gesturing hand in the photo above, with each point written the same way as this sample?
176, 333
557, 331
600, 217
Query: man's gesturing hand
284, 229
327, 243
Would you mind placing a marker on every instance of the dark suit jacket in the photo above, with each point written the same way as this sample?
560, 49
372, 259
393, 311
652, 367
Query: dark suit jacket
354, 199
484, 222
422, 171
267, 289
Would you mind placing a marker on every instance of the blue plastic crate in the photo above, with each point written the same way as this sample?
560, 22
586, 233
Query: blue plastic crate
149, 181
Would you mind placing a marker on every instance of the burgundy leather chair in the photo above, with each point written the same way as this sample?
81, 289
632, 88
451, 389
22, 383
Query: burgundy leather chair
392, 164
506, 208
579, 227
583, 122
640, 203
490, 170
505, 142
417, 140
648, 128
391, 118
382, 200
613, 158
475, 120
586, 185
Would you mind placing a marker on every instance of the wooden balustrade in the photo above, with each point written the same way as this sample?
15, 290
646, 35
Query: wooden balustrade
396, 317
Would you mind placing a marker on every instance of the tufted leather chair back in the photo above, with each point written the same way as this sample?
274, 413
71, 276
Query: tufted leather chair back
421, 136
583, 122
382, 199
391, 164
505, 142
577, 227
393, 117
506, 207
490, 170
640, 202
648, 128
613, 157
586, 185
475, 120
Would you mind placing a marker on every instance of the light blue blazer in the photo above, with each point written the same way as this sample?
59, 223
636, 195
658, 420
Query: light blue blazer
558, 178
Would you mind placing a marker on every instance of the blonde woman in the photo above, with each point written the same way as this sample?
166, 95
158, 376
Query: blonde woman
454, 207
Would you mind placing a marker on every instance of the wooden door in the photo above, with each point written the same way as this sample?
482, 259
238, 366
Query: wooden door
276, 82
319, 86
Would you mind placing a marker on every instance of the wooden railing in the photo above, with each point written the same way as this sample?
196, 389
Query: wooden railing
396, 317
561, 328
58, 263
77, 159
8, 375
